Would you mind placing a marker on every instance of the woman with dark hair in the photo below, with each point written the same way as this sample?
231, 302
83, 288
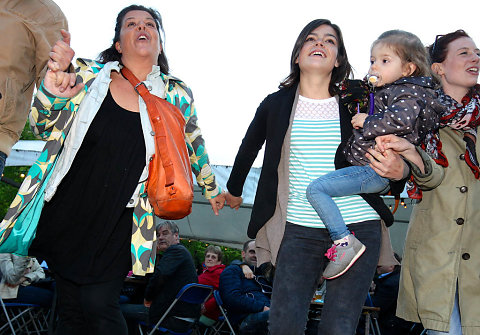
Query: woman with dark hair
302, 125
440, 285
97, 223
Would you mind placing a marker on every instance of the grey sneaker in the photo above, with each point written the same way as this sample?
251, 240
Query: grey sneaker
342, 256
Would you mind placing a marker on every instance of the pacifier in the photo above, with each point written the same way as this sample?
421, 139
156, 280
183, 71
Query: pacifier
372, 79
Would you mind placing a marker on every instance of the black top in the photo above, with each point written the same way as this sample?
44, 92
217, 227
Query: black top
173, 270
84, 232
269, 126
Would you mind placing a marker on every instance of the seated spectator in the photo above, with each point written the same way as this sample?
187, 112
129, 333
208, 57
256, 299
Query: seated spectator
385, 296
246, 300
213, 267
18, 277
173, 270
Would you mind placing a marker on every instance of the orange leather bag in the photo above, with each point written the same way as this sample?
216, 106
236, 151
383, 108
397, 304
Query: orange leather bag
170, 184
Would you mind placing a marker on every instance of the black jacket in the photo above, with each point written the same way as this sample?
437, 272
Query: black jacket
173, 270
269, 126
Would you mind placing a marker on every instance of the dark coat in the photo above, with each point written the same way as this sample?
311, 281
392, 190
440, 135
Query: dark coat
173, 270
269, 126
241, 296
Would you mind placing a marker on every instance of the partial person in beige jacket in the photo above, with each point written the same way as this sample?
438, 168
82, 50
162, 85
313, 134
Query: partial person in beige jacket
440, 282
29, 29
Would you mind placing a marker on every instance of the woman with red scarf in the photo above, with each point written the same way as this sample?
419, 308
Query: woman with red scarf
440, 283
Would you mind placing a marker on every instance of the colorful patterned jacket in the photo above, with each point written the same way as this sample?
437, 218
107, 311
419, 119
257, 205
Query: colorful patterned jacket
63, 122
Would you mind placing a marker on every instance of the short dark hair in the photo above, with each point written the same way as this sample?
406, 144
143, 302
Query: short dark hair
409, 48
172, 226
214, 250
438, 49
111, 54
339, 74
245, 245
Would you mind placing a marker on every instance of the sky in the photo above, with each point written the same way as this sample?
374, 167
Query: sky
232, 54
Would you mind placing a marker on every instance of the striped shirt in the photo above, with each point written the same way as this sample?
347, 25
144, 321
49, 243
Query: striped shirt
314, 141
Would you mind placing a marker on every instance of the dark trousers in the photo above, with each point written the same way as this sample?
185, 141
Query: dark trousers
300, 264
90, 308
254, 324
33, 295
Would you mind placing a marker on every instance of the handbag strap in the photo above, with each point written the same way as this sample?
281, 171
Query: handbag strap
154, 113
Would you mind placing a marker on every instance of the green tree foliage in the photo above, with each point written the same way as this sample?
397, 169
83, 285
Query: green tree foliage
13, 173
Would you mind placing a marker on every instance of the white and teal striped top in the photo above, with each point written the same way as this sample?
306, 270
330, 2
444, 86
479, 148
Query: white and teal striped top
314, 141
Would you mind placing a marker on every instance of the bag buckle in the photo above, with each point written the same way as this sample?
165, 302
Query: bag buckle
140, 83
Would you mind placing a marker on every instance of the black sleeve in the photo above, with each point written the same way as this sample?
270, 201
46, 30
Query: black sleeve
165, 267
248, 151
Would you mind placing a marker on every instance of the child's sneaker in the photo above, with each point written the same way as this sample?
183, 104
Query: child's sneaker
342, 256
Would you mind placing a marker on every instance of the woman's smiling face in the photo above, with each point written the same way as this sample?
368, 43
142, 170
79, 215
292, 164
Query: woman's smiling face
320, 50
459, 70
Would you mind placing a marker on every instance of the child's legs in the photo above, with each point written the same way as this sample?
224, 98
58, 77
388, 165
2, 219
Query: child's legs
347, 181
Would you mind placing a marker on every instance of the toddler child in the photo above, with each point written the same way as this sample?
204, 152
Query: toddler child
404, 105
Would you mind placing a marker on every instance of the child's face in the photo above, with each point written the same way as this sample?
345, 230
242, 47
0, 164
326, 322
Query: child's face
386, 65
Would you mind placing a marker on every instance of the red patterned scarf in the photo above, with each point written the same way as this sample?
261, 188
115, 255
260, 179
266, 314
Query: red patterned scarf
463, 116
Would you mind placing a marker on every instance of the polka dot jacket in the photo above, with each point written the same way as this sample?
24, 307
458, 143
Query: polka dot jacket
407, 108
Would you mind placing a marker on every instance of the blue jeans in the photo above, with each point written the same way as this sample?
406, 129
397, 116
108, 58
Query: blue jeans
300, 264
347, 181
455, 321
3, 158
255, 324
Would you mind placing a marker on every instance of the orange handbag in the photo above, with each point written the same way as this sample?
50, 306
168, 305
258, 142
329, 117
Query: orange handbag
169, 184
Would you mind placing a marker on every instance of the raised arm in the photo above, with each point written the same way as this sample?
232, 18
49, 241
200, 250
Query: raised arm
58, 80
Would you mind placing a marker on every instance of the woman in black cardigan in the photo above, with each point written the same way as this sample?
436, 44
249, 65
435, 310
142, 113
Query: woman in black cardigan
319, 64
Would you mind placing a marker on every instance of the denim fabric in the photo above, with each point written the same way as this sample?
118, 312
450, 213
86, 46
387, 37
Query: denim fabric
254, 324
347, 181
455, 321
3, 158
300, 264
33, 295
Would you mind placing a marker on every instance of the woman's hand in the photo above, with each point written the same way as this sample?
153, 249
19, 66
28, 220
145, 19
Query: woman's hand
233, 201
402, 147
397, 144
57, 79
247, 272
61, 54
217, 203
388, 164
